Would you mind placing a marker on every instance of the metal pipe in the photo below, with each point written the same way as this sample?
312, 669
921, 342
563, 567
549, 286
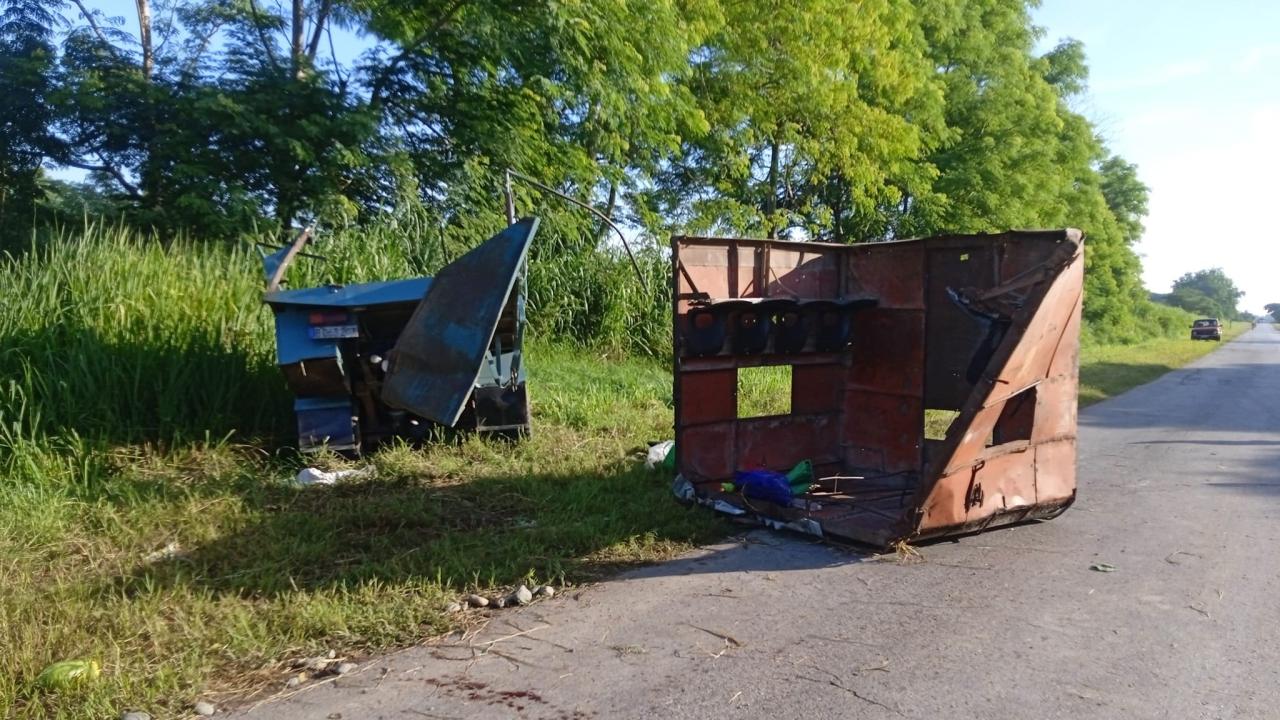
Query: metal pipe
294, 249
525, 178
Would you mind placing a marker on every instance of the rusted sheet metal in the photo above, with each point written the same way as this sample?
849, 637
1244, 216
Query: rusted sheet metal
441, 351
879, 335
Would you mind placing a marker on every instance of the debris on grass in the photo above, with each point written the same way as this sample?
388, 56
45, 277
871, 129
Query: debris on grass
314, 476
168, 552
657, 455
66, 674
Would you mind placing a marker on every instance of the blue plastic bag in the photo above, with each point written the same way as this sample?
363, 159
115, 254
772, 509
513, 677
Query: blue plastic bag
764, 485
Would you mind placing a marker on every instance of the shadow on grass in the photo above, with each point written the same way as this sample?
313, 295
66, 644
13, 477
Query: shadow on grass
172, 387
493, 530
1102, 380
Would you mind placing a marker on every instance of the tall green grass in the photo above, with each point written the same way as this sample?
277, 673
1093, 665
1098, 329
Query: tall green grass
119, 337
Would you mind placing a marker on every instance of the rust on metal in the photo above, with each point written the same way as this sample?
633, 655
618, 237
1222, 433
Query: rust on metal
878, 336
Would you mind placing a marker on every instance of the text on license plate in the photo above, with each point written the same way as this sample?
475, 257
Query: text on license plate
333, 332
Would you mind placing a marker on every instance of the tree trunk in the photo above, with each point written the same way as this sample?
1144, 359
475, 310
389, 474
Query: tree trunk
284, 213
608, 210
322, 16
144, 38
296, 48
148, 175
771, 200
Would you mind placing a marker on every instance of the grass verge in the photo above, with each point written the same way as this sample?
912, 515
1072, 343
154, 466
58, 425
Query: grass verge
195, 570
1108, 370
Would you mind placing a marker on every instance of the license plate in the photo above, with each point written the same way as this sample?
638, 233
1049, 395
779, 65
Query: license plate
334, 332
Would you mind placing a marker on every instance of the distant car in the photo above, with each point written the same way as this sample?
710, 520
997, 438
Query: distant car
1206, 329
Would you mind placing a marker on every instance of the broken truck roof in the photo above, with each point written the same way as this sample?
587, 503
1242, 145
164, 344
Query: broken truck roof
357, 295
877, 336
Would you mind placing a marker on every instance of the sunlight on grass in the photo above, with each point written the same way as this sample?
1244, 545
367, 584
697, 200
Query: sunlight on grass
764, 391
1108, 370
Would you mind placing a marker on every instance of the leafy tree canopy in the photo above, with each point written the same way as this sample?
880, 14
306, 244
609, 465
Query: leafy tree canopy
1207, 292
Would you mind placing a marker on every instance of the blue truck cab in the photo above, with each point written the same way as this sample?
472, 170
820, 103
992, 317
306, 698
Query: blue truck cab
373, 361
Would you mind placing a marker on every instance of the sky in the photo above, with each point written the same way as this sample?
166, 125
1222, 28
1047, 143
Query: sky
1189, 90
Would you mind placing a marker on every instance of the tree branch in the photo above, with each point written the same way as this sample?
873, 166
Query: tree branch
337, 68
262, 35
204, 45
92, 23
113, 172
379, 85
322, 16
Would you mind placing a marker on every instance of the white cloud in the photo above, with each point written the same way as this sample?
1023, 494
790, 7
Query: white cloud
1257, 58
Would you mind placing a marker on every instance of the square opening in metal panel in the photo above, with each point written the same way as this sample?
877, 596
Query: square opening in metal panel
1016, 419
764, 391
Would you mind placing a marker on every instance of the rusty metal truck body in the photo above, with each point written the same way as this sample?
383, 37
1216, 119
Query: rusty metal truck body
878, 337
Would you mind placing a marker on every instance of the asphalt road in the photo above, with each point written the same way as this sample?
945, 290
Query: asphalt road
1179, 490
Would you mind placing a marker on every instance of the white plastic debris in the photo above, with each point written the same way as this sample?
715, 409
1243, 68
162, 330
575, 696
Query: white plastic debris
658, 453
682, 489
314, 476
168, 552
727, 509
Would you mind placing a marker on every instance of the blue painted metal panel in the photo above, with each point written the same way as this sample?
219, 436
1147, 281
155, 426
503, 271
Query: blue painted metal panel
294, 343
325, 421
440, 352
358, 295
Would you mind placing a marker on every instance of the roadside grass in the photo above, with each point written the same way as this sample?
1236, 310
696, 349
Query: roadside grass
195, 570
147, 522
1108, 370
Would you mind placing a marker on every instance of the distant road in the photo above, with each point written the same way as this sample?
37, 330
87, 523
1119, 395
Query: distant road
1179, 490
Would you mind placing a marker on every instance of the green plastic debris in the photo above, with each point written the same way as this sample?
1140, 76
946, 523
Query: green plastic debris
669, 461
67, 673
1103, 567
728, 487
800, 477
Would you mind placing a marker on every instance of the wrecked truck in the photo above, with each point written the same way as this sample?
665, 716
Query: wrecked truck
877, 343
372, 361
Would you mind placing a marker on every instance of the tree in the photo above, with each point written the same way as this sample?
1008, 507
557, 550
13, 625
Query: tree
1207, 292
817, 112
27, 81
1126, 195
